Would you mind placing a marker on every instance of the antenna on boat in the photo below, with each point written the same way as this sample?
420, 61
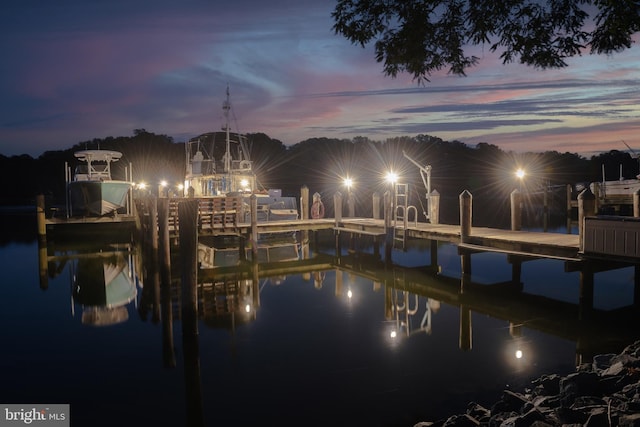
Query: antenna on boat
226, 106
634, 155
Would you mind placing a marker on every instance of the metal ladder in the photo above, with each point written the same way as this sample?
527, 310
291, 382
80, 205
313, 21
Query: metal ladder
400, 214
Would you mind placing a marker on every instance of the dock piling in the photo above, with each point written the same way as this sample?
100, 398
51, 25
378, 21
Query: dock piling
516, 210
434, 207
304, 202
466, 209
586, 207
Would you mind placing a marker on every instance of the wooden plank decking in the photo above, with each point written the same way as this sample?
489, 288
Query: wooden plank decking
522, 243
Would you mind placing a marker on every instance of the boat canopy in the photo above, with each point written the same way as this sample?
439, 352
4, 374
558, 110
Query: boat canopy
98, 155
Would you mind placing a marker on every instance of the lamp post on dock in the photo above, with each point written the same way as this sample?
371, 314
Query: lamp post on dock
520, 174
351, 208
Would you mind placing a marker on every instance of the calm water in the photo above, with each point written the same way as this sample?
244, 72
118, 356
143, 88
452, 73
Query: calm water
307, 355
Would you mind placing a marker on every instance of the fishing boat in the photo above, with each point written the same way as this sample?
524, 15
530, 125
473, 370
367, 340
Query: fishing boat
92, 191
218, 165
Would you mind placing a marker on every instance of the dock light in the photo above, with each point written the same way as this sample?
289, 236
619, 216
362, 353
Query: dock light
518, 354
244, 184
142, 186
520, 173
391, 177
348, 182
349, 294
180, 187
247, 308
163, 183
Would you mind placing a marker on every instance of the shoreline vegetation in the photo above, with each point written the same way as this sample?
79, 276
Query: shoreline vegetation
322, 164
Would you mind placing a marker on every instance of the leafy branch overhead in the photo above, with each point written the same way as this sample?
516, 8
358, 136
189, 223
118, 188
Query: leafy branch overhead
423, 36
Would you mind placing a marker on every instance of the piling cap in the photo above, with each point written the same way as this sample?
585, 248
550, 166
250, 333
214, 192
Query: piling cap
316, 195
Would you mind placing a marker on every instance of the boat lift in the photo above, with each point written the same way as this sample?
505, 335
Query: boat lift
425, 174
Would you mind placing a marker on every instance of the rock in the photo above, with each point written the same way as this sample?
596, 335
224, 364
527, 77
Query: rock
603, 393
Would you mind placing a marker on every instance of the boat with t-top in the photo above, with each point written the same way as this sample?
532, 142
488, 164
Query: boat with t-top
218, 165
91, 189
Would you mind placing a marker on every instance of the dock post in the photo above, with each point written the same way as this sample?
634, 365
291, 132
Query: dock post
255, 287
188, 217
304, 202
388, 228
351, 204
304, 214
516, 210
434, 207
376, 205
41, 218
636, 203
466, 209
545, 209
42, 242
586, 207
153, 268
253, 202
168, 353
516, 269
337, 207
569, 192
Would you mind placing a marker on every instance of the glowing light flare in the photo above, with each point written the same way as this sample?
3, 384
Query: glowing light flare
391, 177
247, 308
348, 182
349, 294
520, 173
163, 183
518, 354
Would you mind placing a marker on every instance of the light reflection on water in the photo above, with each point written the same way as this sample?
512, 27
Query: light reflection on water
308, 354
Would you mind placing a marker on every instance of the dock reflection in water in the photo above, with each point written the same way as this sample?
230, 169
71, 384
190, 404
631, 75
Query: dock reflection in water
317, 339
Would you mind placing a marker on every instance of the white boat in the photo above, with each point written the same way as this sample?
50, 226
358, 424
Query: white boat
218, 165
92, 191
623, 187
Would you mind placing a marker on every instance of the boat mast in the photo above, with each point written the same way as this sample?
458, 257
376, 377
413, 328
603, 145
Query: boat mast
226, 106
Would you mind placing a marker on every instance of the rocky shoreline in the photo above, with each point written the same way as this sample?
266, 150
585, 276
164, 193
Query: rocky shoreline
605, 392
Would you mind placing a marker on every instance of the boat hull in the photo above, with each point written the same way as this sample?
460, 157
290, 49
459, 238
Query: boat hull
99, 198
623, 187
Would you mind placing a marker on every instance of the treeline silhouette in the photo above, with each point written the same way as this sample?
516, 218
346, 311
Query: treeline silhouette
321, 164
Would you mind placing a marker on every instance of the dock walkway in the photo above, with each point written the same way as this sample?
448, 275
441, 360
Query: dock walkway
522, 243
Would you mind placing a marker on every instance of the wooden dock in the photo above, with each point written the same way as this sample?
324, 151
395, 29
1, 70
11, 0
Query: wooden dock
606, 238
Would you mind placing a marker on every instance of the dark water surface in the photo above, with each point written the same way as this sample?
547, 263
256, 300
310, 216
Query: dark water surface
308, 354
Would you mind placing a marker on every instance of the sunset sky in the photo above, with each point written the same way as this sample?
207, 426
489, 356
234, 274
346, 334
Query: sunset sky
78, 70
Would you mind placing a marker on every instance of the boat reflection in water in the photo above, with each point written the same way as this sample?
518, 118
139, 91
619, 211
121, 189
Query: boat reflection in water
103, 280
103, 285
